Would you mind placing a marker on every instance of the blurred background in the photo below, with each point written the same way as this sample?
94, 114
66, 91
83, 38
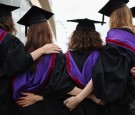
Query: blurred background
63, 10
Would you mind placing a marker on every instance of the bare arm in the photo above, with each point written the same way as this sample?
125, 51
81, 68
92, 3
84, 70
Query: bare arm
30, 98
86, 91
92, 96
46, 49
95, 99
73, 101
75, 91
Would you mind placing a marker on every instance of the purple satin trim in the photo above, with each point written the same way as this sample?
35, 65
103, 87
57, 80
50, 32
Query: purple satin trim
27, 82
121, 36
0, 31
86, 74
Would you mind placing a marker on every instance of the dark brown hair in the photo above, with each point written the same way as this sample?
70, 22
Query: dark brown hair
7, 24
85, 40
38, 35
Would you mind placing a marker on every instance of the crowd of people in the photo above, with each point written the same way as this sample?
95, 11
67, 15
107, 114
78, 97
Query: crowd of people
89, 79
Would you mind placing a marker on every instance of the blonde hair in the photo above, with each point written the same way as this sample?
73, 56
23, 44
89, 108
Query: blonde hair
122, 18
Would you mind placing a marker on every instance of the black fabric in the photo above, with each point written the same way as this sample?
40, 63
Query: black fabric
113, 109
132, 107
54, 93
133, 11
111, 6
58, 83
52, 103
87, 106
85, 24
35, 15
80, 58
112, 80
5, 10
13, 60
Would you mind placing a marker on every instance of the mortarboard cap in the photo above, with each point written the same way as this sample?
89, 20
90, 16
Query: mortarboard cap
133, 11
85, 24
111, 6
5, 10
34, 15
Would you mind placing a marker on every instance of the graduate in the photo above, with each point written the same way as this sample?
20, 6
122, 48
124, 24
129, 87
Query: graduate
133, 13
111, 78
13, 58
84, 46
35, 77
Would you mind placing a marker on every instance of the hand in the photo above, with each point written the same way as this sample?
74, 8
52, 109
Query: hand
72, 102
96, 100
132, 70
50, 48
28, 99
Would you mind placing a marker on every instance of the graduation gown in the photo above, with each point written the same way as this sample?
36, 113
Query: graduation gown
13, 60
65, 83
87, 106
51, 105
60, 83
112, 80
33, 82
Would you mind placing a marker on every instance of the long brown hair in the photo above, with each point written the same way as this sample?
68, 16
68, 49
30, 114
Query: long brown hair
7, 24
122, 18
38, 35
85, 40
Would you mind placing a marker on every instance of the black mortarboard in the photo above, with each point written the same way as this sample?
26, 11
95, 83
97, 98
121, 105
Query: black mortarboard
34, 15
5, 10
111, 6
133, 11
85, 24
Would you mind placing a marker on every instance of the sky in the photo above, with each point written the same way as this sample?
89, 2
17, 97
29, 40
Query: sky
75, 9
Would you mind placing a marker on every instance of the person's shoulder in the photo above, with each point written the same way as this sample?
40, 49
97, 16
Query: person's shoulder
107, 47
8, 39
10, 35
127, 29
11, 38
12, 41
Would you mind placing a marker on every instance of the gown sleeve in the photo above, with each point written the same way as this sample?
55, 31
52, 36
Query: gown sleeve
59, 83
15, 59
111, 74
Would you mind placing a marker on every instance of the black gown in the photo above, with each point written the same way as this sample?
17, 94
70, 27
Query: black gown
87, 106
52, 104
112, 80
13, 60
60, 83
